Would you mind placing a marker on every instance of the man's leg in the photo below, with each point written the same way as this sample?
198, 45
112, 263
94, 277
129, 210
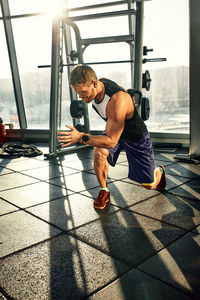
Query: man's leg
101, 169
142, 165
159, 182
101, 166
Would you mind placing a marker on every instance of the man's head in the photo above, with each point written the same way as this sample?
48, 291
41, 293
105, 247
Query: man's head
83, 79
82, 74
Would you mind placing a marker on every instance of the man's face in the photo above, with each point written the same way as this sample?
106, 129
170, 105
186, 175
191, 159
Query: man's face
86, 91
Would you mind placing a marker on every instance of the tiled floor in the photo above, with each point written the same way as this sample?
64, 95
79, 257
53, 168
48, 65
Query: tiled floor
55, 245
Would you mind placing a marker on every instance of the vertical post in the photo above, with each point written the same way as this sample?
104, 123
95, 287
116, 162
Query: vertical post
138, 47
13, 64
131, 23
80, 61
194, 9
54, 92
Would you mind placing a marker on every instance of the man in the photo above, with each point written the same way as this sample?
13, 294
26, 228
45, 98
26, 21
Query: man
125, 130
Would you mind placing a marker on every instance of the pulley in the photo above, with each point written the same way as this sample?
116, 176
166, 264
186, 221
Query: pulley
145, 108
73, 55
146, 80
80, 127
77, 108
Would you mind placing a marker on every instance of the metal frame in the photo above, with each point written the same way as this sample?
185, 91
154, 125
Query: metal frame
27, 133
194, 78
13, 64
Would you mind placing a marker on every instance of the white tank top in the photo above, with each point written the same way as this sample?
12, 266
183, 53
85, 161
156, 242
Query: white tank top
101, 107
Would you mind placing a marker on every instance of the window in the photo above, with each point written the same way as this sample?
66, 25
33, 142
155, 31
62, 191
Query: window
8, 111
33, 47
166, 30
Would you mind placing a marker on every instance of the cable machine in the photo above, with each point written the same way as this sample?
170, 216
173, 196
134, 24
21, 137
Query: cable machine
61, 34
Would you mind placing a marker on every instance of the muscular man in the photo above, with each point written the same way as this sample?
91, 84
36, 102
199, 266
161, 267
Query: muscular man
125, 130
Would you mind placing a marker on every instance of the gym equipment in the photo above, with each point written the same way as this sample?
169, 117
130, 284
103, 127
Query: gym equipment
77, 109
73, 55
143, 102
145, 108
146, 50
146, 80
2, 131
15, 151
80, 127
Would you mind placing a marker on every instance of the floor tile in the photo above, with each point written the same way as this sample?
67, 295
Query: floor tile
69, 212
118, 172
172, 209
138, 285
123, 194
62, 268
77, 182
162, 163
6, 207
178, 264
6, 161
189, 190
49, 172
9, 181
128, 236
33, 194
184, 170
173, 181
27, 164
19, 230
80, 165
4, 171
169, 157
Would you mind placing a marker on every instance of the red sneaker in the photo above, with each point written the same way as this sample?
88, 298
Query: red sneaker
100, 202
162, 184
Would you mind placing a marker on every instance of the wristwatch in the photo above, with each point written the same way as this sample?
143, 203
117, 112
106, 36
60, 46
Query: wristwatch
85, 138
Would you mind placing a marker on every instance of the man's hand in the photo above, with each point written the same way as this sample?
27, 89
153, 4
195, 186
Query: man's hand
68, 138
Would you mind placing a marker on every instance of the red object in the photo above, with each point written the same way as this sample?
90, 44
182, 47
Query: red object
2, 132
102, 199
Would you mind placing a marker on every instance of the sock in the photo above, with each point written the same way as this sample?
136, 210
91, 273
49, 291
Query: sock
105, 189
161, 169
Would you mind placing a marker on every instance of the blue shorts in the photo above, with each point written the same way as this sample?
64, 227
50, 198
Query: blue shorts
140, 158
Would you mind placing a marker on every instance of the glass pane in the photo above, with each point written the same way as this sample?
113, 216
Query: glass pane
96, 10
118, 72
8, 111
112, 26
166, 30
33, 47
79, 3
50, 7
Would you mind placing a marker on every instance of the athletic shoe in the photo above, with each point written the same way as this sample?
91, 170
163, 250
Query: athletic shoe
162, 184
100, 202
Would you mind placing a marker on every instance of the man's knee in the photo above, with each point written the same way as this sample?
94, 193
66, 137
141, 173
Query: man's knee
100, 153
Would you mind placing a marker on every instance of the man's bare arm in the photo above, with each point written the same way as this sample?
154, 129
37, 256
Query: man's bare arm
117, 110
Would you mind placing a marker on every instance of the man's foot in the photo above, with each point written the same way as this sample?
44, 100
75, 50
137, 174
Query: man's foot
100, 202
162, 184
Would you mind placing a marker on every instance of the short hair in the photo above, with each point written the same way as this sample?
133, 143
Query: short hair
82, 74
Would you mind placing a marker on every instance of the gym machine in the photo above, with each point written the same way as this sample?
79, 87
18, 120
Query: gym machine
78, 109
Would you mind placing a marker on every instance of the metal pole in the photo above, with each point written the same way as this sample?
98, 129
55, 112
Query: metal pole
138, 45
54, 93
138, 48
80, 61
131, 22
194, 7
14, 64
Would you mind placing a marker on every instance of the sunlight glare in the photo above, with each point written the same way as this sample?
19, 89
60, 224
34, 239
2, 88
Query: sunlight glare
55, 8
